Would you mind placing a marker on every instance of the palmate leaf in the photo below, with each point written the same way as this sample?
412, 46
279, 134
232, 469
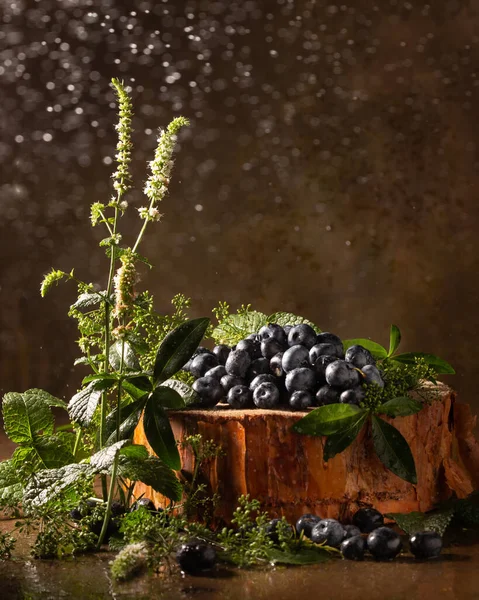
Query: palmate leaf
82, 406
328, 420
393, 450
152, 472
26, 415
159, 434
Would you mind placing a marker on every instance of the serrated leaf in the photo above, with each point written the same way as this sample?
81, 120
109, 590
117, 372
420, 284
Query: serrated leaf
47, 484
167, 397
188, 394
130, 360
159, 434
82, 406
89, 299
337, 443
25, 415
376, 349
328, 420
103, 460
393, 450
154, 473
394, 339
11, 487
285, 318
52, 451
48, 398
438, 364
414, 522
177, 348
402, 406
236, 327
302, 556
129, 419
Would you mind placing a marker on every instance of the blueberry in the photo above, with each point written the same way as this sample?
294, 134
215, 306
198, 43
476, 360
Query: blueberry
210, 391
371, 374
221, 352
301, 400
266, 378
260, 366
359, 356
302, 379
271, 530
195, 556
239, 396
327, 395
351, 531
270, 347
216, 372
342, 375
287, 329
228, 381
324, 350
384, 543
295, 357
329, 338
329, 532
320, 364
117, 509
302, 334
273, 330
425, 544
266, 395
252, 347
197, 352
275, 365
253, 336
368, 519
354, 396
143, 503
202, 363
353, 548
306, 523
238, 363
76, 514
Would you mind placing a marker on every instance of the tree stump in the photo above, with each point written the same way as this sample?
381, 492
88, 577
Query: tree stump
285, 471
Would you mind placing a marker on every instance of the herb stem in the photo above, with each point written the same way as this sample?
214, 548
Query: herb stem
77, 442
106, 520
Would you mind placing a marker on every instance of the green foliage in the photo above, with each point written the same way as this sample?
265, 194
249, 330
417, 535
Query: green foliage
436, 520
51, 279
393, 450
130, 561
328, 420
7, 545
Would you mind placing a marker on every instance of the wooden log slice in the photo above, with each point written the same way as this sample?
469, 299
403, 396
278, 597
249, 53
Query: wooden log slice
285, 471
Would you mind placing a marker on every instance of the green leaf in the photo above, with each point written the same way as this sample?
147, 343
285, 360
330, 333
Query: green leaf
159, 434
82, 406
328, 420
438, 364
53, 451
47, 484
437, 520
135, 451
335, 444
135, 392
140, 381
188, 394
238, 326
177, 348
393, 450
284, 318
167, 397
302, 556
394, 339
152, 472
103, 460
130, 360
25, 415
48, 398
11, 487
402, 406
88, 299
129, 419
112, 377
376, 349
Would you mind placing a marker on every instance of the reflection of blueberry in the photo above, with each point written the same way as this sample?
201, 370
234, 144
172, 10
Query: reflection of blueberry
327, 395
275, 365
260, 366
295, 357
239, 396
342, 375
228, 381
266, 395
353, 548
252, 347
202, 363
359, 356
302, 379
271, 346
221, 352
384, 543
302, 334
306, 523
371, 374
209, 390
426, 544
273, 330
216, 372
301, 400
368, 519
238, 363
329, 532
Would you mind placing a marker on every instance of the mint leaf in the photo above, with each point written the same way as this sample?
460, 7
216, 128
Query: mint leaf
236, 327
134, 451
152, 472
47, 484
11, 487
103, 460
130, 360
26, 415
46, 397
284, 318
393, 450
402, 406
52, 451
188, 394
159, 434
437, 520
328, 420
438, 364
82, 406
337, 443
88, 299
376, 350
394, 339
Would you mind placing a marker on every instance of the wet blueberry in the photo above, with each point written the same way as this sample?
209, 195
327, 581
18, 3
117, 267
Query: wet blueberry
351, 531
195, 556
327, 395
252, 347
266, 378
295, 357
76, 514
209, 390
353, 548
302, 379
342, 375
266, 395
260, 366
329, 532
302, 334
117, 509
301, 400
368, 519
228, 381
202, 363
273, 330
359, 356
287, 329
216, 372
275, 365
334, 340
324, 350
270, 347
271, 529
425, 544
238, 363
221, 352
354, 396
384, 543
143, 503
320, 365
371, 374
306, 523
240, 396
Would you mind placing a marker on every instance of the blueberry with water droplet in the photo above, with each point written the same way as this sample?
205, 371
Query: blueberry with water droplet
371, 374
329, 532
275, 331
266, 378
228, 381
425, 544
295, 357
216, 372
221, 351
327, 395
203, 363
301, 400
342, 375
324, 350
359, 356
354, 396
209, 390
351, 531
252, 347
319, 366
306, 523
302, 334
368, 519
238, 363
266, 395
240, 396
270, 347
259, 366
301, 379
195, 556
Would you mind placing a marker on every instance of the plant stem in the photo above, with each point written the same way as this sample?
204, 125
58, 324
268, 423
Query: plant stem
142, 230
118, 400
106, 520
77, 442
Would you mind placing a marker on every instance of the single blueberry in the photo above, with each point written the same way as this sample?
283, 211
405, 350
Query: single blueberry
260, 366
425, 544
306, 523
324, 350
353, 396
221, 352
143, 503
368, 519
301, 400
202, 363
252, 347
239, 396
384, 543
351, 531
271, 530
265, 378
359, 356
329, 532
301, 379
329, 338
320, 365
238, 363
195, 556
295, 357
273, 330
253, 336
117, 509
209, 390
353, 548
266, 395
275, 365
216, 372
371, 374
287, 329
228, 381
302, 334
342, 375
270, 347
197, 352
327, 395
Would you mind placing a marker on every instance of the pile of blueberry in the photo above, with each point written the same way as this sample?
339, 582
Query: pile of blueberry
281, 366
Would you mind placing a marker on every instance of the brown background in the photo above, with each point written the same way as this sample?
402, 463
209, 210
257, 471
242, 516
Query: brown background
333, 150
